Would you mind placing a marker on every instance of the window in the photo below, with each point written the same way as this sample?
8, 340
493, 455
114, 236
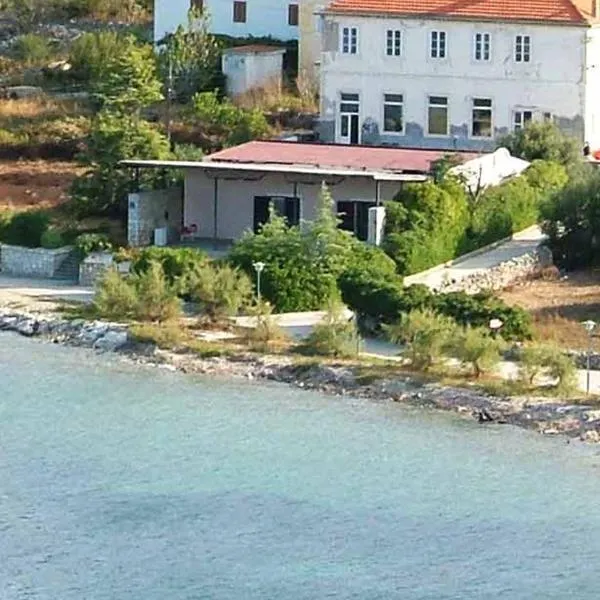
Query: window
522, 48
548, 117
197, 5
482, 46
437, 116
438, 44
521, 118
393, 45
293, 14
392, 113
482, 117
239, 12
349, 40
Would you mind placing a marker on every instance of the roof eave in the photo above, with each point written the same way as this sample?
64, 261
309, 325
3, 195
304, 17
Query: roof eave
445, 17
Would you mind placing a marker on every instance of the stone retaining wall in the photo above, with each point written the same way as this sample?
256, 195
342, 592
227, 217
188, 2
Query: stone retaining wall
93, 266
32, 262
502, 275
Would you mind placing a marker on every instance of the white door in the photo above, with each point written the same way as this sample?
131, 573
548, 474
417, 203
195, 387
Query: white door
349, 118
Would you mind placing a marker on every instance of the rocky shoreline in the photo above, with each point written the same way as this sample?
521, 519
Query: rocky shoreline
544, 415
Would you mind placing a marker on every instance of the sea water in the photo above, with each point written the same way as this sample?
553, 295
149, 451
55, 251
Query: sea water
120, 482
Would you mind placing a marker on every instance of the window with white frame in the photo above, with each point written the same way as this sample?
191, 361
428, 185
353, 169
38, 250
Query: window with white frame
522, 48
349, 40
393, 118
521, 118
482, 46
481, 118
437, 47
437, 115
393, 45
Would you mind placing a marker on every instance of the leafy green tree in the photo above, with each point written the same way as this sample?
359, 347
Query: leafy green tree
543, 141
571, 219
476, 347
130, 80
115, 137
425, 224
191, 57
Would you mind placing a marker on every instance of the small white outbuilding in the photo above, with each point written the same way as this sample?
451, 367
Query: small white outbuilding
252, 66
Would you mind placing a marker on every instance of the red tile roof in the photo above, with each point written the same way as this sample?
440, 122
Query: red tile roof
548, 11
334, 156
255, 48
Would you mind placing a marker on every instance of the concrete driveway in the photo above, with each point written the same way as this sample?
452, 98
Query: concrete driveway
40, 293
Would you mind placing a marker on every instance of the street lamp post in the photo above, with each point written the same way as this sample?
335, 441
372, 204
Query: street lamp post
258, 267
589, 326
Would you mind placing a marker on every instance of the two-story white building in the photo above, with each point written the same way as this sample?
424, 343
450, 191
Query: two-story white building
237, 18
440, 74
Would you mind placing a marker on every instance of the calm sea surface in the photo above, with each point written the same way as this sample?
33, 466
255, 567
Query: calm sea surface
124, 483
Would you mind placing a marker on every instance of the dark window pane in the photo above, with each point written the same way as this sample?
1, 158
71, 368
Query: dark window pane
438, 120
392, 117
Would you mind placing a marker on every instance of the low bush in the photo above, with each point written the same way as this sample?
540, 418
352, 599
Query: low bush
334, 336
219, 289
165, 335
232, 124
476, 347
144, 297
51, 239
25, 228
539, 359
425, 335
267, 330
31, 48
382, 301
86, 243
177, 263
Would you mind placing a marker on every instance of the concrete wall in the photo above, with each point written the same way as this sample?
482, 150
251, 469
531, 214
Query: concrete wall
552, 82
248, 70
150, 210
235, 207
32, 262
263, 18
309, 43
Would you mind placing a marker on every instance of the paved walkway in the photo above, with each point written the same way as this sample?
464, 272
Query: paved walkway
522, 243
40, 293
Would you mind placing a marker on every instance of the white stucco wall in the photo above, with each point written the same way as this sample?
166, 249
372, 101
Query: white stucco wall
592, 88
309, 43
553, 81
248, 70
263, 18
235, 213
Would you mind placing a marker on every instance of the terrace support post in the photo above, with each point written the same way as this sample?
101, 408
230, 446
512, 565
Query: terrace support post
215, 212
295, 193
377, 192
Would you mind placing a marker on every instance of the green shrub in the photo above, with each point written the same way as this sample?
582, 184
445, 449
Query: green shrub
51, 239
425, 335
157, 300
571, 219
267, 330
542, 141
222, 118
26, 228
220, 290
425, 224
90, 54
32, 48
477, 347
115, 297
334, 336
177, 263
537, 359
144, 297
86, 243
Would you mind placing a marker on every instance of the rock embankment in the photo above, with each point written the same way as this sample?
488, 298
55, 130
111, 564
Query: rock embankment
541, 414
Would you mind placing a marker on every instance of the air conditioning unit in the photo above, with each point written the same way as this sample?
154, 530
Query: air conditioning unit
376, 225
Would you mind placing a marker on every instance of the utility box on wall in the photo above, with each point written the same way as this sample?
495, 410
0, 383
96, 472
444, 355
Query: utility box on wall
250, 67
376, 225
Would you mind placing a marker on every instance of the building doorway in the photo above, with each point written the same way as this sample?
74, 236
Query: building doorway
355, 217
284, 206
349, 118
